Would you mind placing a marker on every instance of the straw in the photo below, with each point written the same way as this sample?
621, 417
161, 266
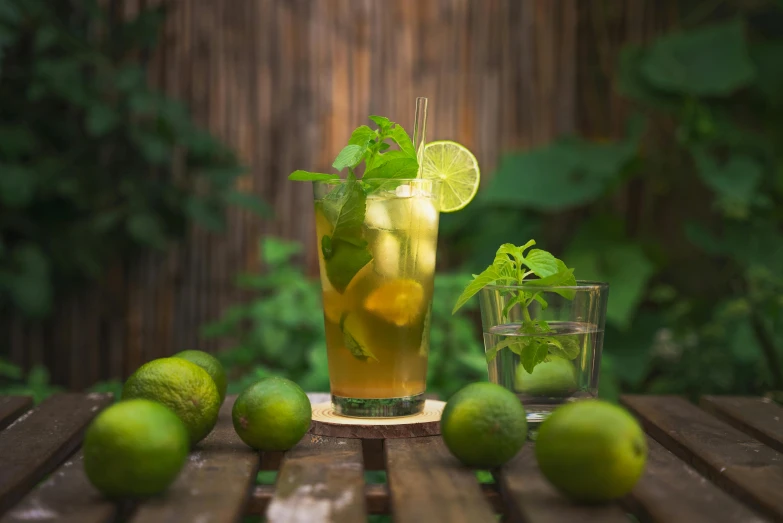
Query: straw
419, 130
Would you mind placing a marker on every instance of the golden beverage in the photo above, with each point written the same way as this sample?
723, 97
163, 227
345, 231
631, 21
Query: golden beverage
377, 314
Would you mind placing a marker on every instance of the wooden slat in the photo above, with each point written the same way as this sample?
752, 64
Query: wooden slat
67, 497
759, 417
215, 482
741, 465
428, 484
37, 442
11, 407
376, 496
321, 480
670, 491
529, 497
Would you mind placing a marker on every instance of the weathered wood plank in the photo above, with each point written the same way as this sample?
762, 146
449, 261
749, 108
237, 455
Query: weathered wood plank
11, 407
38, 441
529, 497
376, 496
739, 464
67, 497
321, 480
427, 484
215, 482
671, 490
761, 418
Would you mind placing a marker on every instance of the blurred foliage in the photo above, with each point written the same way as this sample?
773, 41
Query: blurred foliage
279, 330
35, 383
682, 217
94, 164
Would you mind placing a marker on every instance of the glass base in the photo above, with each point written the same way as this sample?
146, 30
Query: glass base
378, 408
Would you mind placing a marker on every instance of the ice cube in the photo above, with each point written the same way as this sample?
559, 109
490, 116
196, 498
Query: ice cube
423, 213
377, 215
425, 257
387, 252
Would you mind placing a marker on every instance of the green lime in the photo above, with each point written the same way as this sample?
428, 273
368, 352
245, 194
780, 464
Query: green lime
272, 414
134, 448
456, 168
591, 450
210, 364
484, 425
182, 386
556, 377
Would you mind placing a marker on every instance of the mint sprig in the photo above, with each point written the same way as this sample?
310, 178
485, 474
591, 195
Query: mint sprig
345, 250
525, 274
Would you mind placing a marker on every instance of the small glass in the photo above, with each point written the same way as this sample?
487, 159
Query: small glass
564, 348
377, 321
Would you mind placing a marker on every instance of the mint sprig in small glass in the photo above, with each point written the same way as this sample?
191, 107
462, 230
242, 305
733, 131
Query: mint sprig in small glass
543, 329
523, 276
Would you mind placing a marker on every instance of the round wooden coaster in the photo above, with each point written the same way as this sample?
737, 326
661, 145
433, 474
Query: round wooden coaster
426, 423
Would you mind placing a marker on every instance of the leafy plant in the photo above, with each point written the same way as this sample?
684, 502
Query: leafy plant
682, 216
94, 164
510, 270
35, 384
280, 330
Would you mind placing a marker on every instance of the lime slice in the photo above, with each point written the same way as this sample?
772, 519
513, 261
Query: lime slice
457, 170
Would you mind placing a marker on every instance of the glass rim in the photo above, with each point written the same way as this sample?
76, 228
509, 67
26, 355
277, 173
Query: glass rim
581, 285
376, 180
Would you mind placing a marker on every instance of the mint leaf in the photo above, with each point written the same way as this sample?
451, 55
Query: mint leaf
565, 346
359, 351
383, 123
393, 165
346, 260
533, 353
563, 278
489, 276
348, 253
305, 176
350, 156
326, 247
361, 136
541, 263
401, 138
345, 208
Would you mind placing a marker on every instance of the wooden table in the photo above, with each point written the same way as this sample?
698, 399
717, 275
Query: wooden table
719, 461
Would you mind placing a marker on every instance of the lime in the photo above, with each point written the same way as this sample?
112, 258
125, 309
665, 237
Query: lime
556, 377
591, 450
182, 386
134, 448
457, 170
272, 414
398, 301
484, 425
210, 364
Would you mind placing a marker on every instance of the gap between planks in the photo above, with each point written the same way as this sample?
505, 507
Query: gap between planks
761, 418
742, 466
37, 442
11, 407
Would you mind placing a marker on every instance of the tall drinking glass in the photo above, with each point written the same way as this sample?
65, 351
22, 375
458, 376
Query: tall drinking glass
377, 296
549, 352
